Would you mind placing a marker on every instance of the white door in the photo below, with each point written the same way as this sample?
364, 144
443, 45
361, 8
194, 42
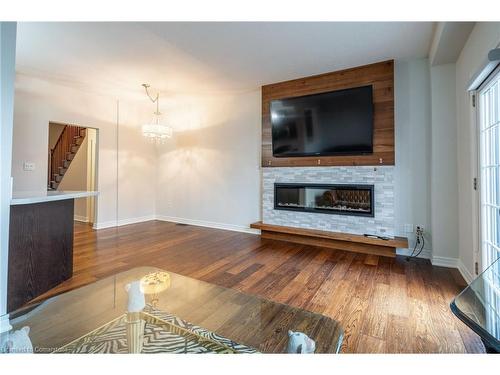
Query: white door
489, 164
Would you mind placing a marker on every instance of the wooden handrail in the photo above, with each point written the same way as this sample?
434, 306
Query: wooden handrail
58, 154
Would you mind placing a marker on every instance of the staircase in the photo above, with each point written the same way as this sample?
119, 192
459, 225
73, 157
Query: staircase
63, 153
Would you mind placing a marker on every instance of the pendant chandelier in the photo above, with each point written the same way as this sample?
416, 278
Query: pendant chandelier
155, 130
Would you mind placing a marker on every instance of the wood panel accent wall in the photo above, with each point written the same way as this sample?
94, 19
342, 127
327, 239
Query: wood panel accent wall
379, 75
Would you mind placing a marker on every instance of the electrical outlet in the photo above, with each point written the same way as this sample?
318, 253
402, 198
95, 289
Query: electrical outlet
28, 166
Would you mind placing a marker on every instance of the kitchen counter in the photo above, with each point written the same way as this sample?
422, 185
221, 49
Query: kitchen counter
28, 197
40, 242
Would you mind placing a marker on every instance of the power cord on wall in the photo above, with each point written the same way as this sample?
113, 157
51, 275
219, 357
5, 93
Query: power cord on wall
420, 240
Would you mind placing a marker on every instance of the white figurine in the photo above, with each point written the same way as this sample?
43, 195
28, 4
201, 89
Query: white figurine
136, 300
16, 341
135, 325
298, 342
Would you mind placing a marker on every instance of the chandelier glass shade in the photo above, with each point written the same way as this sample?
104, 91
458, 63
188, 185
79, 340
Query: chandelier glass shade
156, 130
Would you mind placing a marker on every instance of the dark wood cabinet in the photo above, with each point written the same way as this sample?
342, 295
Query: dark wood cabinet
40, 249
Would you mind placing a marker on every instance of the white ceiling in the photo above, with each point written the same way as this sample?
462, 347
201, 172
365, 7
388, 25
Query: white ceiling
200, 57
448, 41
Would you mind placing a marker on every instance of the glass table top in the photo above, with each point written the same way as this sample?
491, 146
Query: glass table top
478, 306
178, 314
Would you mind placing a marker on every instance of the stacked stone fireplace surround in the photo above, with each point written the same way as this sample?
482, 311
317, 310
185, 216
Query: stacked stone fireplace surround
382, 177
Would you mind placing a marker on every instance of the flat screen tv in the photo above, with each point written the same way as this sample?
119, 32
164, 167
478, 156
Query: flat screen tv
331, 123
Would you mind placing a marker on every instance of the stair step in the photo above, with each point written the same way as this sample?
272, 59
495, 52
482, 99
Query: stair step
57, 177
54, 185
78, 140
62, 170
66, 164
70, 156
74, 149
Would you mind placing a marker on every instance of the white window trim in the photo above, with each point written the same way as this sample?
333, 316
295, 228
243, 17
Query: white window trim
479, 255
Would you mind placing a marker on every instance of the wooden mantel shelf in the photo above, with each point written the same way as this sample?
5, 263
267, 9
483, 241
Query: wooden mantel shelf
335, 240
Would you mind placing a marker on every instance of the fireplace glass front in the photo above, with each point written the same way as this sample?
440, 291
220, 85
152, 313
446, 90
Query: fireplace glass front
322, 198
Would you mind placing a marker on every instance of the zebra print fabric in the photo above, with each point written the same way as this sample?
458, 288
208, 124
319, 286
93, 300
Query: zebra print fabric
163, 333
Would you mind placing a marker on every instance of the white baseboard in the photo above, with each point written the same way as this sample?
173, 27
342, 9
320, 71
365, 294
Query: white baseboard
136, 220
444, 262
465, 272
201, 223
208, 224
119, 223
453, 263
82, 219
425, 254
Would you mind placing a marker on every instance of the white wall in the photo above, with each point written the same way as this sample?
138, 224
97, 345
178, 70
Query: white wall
7, 73
136, 162
413, 146
209, 173
91, 173
75, 178
484, 36
55, 131
444, 189
38, 101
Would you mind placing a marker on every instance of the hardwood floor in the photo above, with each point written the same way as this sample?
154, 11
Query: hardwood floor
385, 305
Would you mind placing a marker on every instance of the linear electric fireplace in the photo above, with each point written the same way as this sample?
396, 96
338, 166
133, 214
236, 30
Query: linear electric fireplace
325, 198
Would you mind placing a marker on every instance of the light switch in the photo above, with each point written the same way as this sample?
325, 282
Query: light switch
28, 166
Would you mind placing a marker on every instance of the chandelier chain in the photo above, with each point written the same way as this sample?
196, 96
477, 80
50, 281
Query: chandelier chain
154, 100
155, 130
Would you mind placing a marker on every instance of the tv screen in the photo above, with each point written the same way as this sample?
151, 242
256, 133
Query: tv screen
331, 123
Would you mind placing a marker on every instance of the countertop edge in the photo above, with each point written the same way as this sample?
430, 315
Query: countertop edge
51, 198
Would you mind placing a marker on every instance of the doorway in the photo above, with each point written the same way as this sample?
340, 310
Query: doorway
72, 165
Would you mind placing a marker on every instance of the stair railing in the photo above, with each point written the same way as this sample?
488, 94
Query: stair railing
58, 154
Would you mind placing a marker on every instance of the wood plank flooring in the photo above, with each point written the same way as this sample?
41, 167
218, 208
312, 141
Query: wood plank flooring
385, 305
